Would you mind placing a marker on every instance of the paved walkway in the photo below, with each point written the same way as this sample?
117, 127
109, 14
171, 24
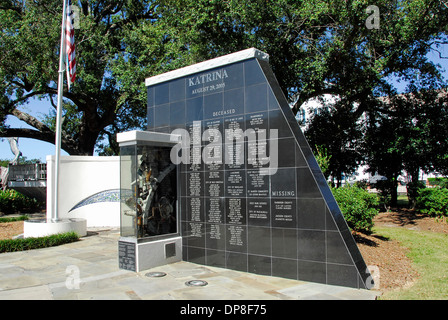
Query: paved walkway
88, 269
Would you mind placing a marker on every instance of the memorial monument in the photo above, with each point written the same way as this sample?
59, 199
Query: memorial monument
247, 194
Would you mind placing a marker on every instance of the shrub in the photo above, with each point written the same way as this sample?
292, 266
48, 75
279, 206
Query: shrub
433, 201
358, 206
11, 245
12, 201
441, 182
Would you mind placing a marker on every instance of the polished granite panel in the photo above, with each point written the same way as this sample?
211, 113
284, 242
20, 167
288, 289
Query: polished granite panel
260, 265
284, 243
286, 268
312, 271
216, 258
177, 114
311, 214
161, 94
162, 115
256, 98
252, 197
177, 90
259, 240
236, 261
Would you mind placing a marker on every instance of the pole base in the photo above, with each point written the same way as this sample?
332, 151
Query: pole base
40, 228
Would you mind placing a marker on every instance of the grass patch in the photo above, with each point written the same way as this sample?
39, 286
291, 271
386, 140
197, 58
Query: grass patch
429, 254
12, 219
402, 201
11, 245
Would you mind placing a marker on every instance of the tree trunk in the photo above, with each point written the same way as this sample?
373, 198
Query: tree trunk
394, 192
338, 180
412, 188
70, 146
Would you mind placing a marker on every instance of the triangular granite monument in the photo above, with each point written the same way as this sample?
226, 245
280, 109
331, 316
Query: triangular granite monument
250, 194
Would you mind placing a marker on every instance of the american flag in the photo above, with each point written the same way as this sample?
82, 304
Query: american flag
70, 45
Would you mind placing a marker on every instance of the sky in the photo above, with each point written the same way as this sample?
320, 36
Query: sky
35, 149
30, 148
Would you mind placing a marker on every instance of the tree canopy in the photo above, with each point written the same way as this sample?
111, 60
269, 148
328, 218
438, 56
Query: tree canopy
411, 136
315, 47
108, 95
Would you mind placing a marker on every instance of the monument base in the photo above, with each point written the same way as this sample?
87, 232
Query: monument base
35, 228
139, 256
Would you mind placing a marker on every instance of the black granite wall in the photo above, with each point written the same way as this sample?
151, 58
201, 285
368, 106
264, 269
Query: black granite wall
232, 214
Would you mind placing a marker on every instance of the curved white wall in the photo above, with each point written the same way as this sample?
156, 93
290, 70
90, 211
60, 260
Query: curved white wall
80, 178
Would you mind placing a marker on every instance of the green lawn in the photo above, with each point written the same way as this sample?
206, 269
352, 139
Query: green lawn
402, 201
429, 253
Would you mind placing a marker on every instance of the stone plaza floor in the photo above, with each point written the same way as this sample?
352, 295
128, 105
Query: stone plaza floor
88, 269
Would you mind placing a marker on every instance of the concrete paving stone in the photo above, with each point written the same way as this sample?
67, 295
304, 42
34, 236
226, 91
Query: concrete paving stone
217, 278
164, 296
58, 294
248, 280
320, 296
277, 285
108, 277
319, 287
62, 292
132, 295
245, 291
279, 295
206, 293
89, 256
11, 272
92, 270
47, 278
104, 294
299, 291
235, 286
357, 295
313, 289
94, 289
41, 264
153, 286
251, 294
231, 274
280, 283
182, 270
19, 282
246, 288
29, 293
42, 274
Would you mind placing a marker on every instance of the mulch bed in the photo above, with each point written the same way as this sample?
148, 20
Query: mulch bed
10, 229
395, 268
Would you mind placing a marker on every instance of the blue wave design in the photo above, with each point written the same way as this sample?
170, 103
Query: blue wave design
111, 195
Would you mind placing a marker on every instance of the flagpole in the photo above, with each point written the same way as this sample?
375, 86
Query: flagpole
55, 215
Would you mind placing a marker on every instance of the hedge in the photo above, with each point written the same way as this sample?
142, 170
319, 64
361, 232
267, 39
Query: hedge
441, 182
12, 201
358, 206
433, 201
12, 219
11, 245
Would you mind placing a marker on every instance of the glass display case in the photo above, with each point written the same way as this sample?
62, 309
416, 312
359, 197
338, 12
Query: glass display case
148, 190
